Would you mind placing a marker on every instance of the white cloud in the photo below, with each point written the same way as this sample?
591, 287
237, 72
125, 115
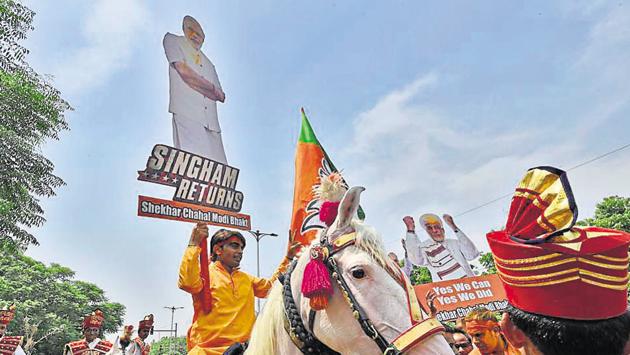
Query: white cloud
413, 159
602, 71
110, 29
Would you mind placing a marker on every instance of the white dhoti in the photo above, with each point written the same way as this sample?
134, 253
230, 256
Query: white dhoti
193, 136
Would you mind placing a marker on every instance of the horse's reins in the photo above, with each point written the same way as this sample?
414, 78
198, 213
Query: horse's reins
306, 341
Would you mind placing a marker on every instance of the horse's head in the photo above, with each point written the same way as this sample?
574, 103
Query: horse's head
371, 301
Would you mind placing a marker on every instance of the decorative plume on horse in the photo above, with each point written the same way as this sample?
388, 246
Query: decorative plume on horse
344, 296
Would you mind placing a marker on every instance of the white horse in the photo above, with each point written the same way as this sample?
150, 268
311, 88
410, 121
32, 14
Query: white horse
371, 277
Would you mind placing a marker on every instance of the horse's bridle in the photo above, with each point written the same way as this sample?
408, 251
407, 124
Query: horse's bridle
306, 341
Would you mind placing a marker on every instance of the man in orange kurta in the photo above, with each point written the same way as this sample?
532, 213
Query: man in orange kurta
231, 318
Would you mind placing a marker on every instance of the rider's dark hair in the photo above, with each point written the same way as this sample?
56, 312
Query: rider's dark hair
558, 336
221, 236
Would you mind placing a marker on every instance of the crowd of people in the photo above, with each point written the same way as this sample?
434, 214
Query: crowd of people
91, 344
566, 285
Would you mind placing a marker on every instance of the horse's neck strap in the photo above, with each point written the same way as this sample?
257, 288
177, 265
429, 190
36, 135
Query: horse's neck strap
300, 336
414, 335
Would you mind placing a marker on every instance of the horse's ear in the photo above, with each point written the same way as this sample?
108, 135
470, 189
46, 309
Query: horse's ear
348, 207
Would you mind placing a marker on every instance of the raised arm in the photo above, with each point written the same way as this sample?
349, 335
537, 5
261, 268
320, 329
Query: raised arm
466, 246
262, 285
189, 273
408, 265
413, 243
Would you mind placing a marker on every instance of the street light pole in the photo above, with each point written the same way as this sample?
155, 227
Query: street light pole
258, 235
173, 309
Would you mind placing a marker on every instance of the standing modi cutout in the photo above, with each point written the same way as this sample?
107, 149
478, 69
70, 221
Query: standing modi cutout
447, 259
194, 89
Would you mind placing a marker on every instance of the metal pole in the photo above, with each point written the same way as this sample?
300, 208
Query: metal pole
257, 234
258, 266
173, 309
172, 317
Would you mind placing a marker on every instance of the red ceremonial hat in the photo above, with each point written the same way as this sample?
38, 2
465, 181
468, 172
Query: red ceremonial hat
550, 267
146, 323
6, 315
94, 320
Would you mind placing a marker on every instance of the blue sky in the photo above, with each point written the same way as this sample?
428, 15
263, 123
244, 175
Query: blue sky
432, 106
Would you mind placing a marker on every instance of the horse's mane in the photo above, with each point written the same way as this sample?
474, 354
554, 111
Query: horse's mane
368, 240
269, 321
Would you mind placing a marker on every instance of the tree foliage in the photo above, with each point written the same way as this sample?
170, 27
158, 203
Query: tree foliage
613, 212
420, 275
50, 302
487, 263
31, 112
169, 346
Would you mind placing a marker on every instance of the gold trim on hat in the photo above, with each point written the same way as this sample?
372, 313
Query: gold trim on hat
541, 266
525, 260
538, 277
604, 277
515, 280
612, 287
610, 258
546, 283
603, 265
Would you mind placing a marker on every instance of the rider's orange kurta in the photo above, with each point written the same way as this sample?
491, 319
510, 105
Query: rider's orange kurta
232, 316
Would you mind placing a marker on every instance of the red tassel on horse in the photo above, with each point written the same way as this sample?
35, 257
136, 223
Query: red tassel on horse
316, 283
328, 212
206, 296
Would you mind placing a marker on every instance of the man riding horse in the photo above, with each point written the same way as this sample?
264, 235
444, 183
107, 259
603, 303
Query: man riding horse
227, 316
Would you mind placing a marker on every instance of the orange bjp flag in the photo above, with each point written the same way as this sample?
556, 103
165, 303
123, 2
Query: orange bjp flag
311, 163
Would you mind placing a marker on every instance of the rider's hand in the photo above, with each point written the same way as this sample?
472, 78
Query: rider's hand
293, 249
199, 233
409, 223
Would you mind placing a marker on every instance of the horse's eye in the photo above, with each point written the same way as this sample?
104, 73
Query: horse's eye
358, 273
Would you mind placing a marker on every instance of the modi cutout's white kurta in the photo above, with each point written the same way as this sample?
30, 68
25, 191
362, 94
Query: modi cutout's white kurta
195, 120
446, 260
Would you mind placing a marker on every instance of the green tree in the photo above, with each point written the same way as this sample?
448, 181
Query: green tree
487, 263
613, 212
169, 346
420, 275
31, 112
50, 302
